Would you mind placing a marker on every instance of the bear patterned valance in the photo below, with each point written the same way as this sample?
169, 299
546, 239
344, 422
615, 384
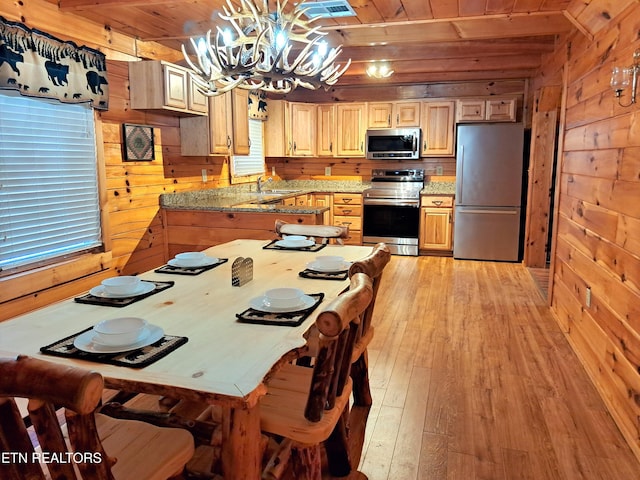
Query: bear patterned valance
39, 65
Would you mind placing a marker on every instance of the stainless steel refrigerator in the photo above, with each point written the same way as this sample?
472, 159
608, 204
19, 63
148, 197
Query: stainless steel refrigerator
489, 162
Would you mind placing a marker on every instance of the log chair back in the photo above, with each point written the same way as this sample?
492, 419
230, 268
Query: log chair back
324, 232
337, 325
49, 386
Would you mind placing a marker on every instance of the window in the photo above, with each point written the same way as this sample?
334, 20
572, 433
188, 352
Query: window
252, 164
49, 205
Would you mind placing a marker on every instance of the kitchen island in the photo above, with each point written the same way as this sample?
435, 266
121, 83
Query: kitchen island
200, 219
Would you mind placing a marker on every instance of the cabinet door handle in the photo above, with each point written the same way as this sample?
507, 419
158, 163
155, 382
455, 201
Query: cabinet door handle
295, 147
389, 120
362, 146
249, 142
346, 200
347, 212
437, 203
397, 119
228, 141
331, 146
424, 145
450, 218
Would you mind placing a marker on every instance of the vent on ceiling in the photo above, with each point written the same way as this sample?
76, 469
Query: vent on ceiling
328, 9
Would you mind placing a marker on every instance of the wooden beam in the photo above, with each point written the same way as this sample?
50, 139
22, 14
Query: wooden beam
71, 5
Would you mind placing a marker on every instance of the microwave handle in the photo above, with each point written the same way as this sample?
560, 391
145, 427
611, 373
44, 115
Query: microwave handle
415, 143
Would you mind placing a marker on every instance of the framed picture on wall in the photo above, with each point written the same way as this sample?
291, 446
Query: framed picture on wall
137, 142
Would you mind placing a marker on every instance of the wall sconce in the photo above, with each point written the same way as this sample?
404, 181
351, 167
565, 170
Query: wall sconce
622, 77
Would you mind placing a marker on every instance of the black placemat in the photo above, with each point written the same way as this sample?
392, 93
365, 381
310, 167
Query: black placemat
309, 273
189, 270
311, 248
285, 319
123, 301
137, 358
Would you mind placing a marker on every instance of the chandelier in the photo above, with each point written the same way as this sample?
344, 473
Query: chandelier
270, 51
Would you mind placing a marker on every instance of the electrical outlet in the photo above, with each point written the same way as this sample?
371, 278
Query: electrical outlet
327, 171
204, 174
439, 170
273, 171
587, 299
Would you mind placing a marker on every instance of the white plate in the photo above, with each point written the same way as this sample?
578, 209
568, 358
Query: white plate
319, 267
205, 263
86, 342
258, 303
302, 244
145, 287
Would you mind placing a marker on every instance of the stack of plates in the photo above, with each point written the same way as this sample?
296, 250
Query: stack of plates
89, 341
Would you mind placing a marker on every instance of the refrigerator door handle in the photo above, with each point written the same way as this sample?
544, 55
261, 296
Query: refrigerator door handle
492, 212
459, 173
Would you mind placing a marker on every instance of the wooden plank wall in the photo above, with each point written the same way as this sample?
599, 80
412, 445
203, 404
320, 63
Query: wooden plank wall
598, 231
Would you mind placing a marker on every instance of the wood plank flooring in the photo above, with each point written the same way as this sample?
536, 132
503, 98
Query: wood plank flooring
472, 379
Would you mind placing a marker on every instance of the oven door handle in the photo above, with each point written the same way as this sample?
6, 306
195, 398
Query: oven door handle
391, 203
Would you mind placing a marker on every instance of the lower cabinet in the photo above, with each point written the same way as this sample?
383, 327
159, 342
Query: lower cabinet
347, 210
436, 223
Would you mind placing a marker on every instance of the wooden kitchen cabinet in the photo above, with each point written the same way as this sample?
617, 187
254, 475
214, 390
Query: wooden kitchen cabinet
322, 200
159, 85
303, 135
224, 132
347, 210
393, 114
326, 130
486, 110
276, 129
438, 128
350, 129
281, 140
436, 223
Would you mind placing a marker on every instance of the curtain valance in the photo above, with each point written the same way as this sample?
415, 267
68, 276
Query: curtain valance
37, 64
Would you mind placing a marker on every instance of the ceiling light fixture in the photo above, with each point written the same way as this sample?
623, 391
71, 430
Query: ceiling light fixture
622, 77
253, 52
379, 70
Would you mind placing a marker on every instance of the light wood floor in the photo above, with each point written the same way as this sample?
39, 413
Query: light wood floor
472, 379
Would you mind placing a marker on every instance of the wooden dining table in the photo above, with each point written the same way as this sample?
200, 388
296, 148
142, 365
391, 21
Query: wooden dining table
224, 362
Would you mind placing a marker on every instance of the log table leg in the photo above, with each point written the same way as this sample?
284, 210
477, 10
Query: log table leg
241, 445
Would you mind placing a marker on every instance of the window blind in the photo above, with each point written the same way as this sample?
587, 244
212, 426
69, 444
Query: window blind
252, 164
49, 203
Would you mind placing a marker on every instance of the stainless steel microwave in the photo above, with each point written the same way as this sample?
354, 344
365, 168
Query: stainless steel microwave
393, 143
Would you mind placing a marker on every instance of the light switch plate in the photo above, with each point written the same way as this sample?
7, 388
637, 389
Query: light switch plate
439, 170
327, 171
204, 174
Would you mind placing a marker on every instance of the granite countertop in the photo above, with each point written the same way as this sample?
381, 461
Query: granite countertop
439, 188
245, 198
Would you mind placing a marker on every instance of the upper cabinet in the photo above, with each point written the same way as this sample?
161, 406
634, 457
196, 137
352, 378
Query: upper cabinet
393, 114
224, 132
350, 131
303, 133
281, 140
158, 85
326, 130
438, 128
486, 110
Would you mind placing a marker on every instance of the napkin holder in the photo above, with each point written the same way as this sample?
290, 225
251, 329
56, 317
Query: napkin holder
241, 271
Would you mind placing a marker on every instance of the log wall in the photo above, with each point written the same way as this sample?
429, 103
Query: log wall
596, 256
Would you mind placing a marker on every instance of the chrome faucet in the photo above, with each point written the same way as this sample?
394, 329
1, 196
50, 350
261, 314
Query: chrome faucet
261, 183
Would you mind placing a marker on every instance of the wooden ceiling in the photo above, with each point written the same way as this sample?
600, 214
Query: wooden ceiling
423, 40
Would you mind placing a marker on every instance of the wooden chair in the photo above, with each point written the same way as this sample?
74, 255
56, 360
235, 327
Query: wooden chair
372, 266
323, 232
100, 447
309, 406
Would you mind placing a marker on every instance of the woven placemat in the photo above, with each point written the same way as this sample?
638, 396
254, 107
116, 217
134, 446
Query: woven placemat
309, 273
137, 358
123, 301
311, 248
189, 270
285, 319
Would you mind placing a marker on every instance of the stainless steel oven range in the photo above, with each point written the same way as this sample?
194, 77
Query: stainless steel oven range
392, 210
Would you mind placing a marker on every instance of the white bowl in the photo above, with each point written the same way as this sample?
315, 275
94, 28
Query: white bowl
283, 297
330, 262
294, 240
123, 285
191, 259
119, 331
